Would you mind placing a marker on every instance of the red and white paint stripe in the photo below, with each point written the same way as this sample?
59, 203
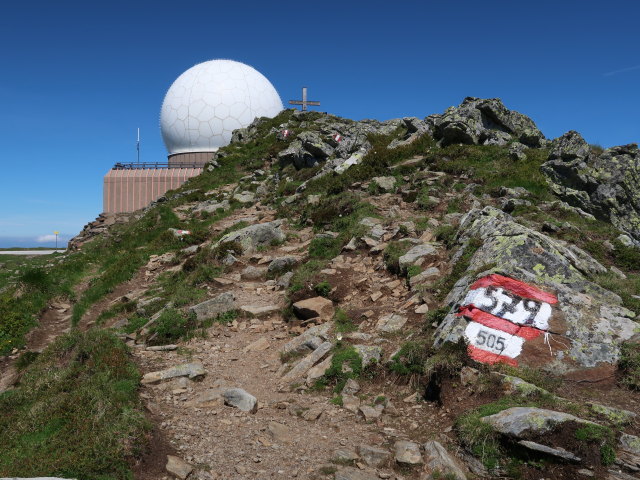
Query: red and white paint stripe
504, 313
286, 133
337, 137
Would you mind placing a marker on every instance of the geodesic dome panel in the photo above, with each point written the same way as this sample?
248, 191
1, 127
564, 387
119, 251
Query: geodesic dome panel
210, 100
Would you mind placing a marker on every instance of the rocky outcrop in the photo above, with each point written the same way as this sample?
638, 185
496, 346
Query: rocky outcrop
484, 122
526, 299
606, 185
100, 226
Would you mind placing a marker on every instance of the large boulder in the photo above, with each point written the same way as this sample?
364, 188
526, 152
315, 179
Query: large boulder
484, 122
605, 185
526, 299
248, 239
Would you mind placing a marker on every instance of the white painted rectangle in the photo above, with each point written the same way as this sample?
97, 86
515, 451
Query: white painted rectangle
492, 340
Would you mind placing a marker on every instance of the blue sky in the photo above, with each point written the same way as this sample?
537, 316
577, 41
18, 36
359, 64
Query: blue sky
78, 78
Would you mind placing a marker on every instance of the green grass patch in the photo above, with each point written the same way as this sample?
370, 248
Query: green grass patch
344, 323
604, 437
410, 359
345, 364
392, 253
629, 365
75, 413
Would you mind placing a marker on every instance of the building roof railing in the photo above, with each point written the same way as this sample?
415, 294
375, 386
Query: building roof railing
156, 165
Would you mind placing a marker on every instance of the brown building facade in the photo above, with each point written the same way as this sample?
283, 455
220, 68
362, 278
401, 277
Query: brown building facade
127, 190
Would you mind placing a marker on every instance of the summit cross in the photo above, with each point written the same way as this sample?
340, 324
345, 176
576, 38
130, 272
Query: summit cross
304, 102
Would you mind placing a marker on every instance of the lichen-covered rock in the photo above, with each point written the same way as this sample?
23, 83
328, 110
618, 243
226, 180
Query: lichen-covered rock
248, 239
576, 325
518, 421
569, 146
605, 185
477, 121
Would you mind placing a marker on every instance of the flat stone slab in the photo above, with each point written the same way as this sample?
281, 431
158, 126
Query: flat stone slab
516, 421
302, 367
257, 311
390, 323
191, 370
556, 452
314, 307
417, 253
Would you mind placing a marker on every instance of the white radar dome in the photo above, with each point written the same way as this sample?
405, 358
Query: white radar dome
210, 100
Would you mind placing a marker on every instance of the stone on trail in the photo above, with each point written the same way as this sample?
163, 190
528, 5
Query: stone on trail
280, 433
390, 323
242, 400
430, 274
437, 459
191, 370
319, 370
351, 387
259, 345
306, 363
209, 399
313, 308
257, 311
215, 306
374, 456
371, 414
350, 473
178, 467
311, 339
351, 402
253, 273
407, 452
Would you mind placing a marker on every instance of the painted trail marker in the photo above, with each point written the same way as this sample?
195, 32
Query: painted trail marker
503, 313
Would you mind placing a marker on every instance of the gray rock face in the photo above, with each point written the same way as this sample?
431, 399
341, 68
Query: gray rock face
437, 459
569, 146
518, 421
484, 122
248, 239
587, 324
518, 151
215, 306
242, 400
605, 185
